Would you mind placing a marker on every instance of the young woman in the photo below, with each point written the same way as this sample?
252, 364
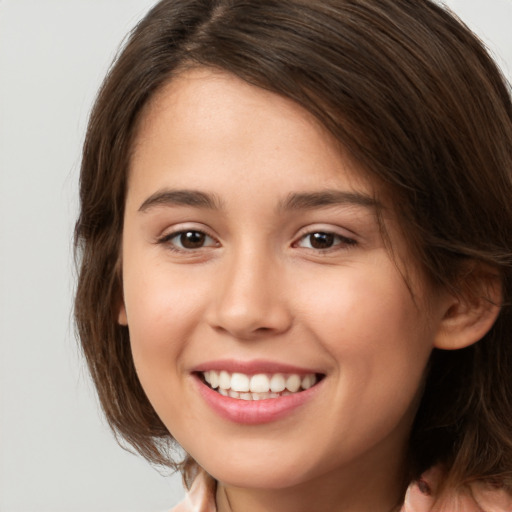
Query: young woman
296, 255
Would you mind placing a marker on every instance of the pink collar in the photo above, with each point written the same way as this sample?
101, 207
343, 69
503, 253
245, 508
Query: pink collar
421, 496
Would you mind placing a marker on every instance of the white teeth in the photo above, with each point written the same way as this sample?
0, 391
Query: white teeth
293, 383
277, 383
259, 383
240, 382
260, 386
224, 380
214, 380
308, 381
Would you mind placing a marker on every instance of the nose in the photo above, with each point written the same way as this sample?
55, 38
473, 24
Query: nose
251, 298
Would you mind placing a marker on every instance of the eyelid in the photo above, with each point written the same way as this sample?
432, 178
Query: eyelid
166, 237
346, 240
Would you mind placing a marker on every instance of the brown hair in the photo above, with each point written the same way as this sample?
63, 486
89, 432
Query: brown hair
415, 98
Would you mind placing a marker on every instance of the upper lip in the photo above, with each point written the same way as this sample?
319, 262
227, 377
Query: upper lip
252, 367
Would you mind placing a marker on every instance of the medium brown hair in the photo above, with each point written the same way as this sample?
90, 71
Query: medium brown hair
414, 97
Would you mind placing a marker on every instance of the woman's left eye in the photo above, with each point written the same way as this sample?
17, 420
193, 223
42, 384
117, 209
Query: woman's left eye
188, 240
324, 240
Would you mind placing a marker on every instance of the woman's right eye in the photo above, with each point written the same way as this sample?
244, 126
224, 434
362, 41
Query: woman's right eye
188, 240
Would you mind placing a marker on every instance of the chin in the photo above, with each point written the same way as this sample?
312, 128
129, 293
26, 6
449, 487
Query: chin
255, 478
266, 473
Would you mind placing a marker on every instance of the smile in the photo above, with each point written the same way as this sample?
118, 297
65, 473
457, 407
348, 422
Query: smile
261, 386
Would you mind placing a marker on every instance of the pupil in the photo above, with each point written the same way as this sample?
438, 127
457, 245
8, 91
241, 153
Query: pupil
192, 239
322, 240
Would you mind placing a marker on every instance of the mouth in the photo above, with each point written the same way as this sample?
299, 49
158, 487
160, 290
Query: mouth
260, 386
256, 392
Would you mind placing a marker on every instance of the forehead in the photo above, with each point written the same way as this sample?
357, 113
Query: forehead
207, 118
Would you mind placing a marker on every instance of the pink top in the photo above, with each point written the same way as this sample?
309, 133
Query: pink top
420, 497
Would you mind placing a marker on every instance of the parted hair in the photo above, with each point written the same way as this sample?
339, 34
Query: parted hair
416, 100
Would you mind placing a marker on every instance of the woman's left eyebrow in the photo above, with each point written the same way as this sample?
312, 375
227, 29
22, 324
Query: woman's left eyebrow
173, 197
326, 198
295, 201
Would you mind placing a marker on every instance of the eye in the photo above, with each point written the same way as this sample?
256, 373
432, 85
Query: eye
324, 240
188, 240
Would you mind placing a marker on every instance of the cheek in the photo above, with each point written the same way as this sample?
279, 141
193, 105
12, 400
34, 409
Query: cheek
375, 333
371, 305
162, 311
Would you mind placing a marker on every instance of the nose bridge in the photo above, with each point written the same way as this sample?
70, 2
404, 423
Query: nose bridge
251, 300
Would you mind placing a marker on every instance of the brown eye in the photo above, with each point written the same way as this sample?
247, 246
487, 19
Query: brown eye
321, 240
188, 240
324, 240
192, 239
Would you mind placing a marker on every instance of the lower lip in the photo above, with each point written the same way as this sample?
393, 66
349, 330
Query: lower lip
254, 412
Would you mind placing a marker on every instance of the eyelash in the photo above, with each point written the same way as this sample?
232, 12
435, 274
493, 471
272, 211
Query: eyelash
338, 242
167, 240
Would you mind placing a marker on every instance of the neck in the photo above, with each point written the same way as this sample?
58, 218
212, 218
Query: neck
359, 491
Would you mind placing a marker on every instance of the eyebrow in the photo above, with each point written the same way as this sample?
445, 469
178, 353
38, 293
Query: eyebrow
295, 201
168, 197
326, 198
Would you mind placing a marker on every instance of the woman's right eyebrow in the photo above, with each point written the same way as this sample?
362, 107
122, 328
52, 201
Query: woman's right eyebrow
172, 197
295, 201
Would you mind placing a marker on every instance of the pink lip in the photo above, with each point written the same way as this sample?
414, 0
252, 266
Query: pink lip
253, 412
252, 367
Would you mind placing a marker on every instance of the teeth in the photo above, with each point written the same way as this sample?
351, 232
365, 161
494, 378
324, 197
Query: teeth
259, 383
277, 383
224, 380
260, 386
239, 382
293, 383
214, 379
308, 381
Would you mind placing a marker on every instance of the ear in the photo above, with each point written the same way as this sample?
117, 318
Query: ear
471, 312
122, 318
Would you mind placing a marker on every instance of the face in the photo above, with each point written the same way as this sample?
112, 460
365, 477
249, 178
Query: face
271, 329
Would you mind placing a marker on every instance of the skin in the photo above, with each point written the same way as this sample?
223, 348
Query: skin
258, 289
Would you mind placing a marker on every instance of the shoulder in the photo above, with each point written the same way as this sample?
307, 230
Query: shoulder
422, 496
200, 497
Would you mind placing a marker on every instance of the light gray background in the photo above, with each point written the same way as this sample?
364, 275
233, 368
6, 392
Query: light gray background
56, 454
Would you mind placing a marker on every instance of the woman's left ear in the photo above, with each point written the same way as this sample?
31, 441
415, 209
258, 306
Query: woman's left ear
471, 311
